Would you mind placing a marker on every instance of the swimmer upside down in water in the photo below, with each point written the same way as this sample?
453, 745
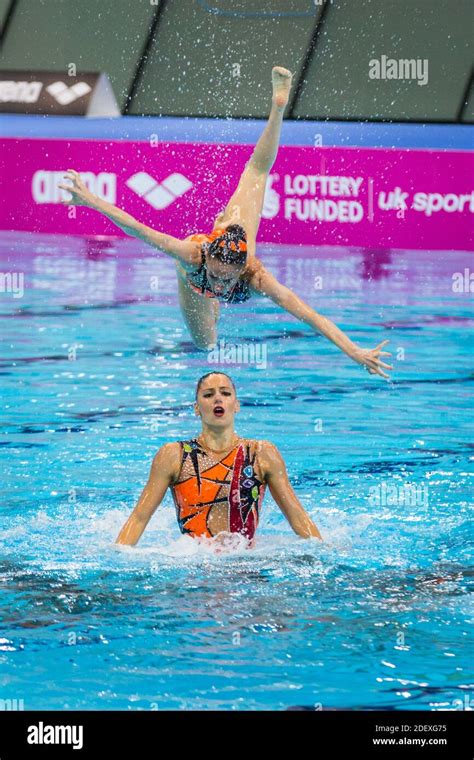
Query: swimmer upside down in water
218, 479
222, 266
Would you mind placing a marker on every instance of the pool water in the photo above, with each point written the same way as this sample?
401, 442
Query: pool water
98, 371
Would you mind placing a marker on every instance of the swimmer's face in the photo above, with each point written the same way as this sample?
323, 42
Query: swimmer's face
222, 277
216, 402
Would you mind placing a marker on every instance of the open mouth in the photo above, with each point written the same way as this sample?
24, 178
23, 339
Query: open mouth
218, 411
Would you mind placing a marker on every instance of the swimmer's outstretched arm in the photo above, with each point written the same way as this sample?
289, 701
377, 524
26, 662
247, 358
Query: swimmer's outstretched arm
274, 471
184, 251
163, 470
264, 282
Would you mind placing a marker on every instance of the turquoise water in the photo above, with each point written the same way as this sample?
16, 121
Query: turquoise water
97, 372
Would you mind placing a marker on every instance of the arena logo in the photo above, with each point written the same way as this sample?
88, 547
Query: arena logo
162, 194
12, 91
20, 92
65, 95
44, 186
42, 734
405, 68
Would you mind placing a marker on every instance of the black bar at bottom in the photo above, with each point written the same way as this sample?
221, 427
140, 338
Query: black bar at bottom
85, 734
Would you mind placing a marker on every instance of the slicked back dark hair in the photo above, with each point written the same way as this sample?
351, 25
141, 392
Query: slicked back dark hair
214, 372
231, 246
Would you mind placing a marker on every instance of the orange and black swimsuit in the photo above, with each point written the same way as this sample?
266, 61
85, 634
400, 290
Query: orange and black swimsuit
199, 282
206, 480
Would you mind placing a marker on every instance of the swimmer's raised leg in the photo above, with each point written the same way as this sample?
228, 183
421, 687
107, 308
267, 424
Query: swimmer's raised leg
245, 205
265, 151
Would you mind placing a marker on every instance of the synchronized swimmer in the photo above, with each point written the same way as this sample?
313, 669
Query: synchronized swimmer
222, 265
218, 479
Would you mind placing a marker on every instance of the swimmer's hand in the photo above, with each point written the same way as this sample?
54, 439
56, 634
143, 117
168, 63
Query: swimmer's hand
369, 358
81, 196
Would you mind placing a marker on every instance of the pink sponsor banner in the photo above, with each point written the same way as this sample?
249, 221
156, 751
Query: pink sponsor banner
408, 199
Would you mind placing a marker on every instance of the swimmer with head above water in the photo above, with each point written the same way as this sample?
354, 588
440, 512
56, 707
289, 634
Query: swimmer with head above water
218, 479
222, 265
